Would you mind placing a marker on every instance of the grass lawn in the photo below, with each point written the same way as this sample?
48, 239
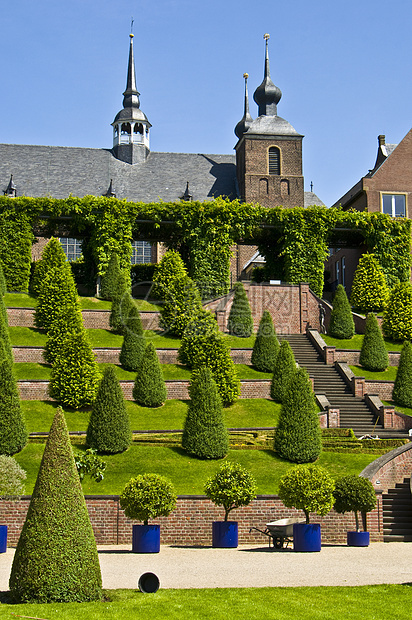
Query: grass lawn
387, 375
26, 300
27, 337
356, 343
383, 602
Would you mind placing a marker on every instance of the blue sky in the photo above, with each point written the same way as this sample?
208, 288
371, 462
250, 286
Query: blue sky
344, 69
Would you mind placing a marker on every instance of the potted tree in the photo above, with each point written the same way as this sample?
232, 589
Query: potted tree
308, 488
12, 478
146, 497
355, 494
232, 486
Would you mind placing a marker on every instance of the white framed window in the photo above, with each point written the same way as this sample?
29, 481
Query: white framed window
343, 271
394, 204
141, 252
337, 268
71, 247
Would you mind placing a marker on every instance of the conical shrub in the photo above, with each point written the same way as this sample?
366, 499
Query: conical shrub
69, 320
13, 433
370, 291
181, 306
240, 322
57, 290
121, 308
56, 557
114, 282
53, 256
149, 387
4, 331
170, 269
3, 286
341, 320
402, 390
133, 345
204, 433
266, 345
298, 436
109, 428
397, 318
283, 371
195, 336
373, 355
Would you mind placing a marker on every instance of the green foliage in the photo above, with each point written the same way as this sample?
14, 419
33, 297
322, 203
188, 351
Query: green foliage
283, 371
373, 355
53, 256
308, 488
232, 486
397, 318
3, 285
266, 345
133, 345
56, 557
121, 308
16, 239
195, 337
204, 432
149, 387
12, 478
369, 289
13, 433
109, 427
68, 320
142, 272
148, 496
240, 322
341, 320
298, 436
354, 494
57, 290
89, 464
170, 269
114, 282
402, 390
4, 331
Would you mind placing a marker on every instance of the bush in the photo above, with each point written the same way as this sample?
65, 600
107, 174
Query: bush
397, 318
109, 428
13, 433
266, 345
56, 557
341, 320
57, 290
283, 371
53, 256
133, 345
240, 322
142, 272
149, 387
195, 337
216, 356
114, 281
69, 320
308, 488
373, 355
4, 331
354, 494
232, 486
3, 285
298, 437
12, 478
89, 464
402, 390
148, 496
204, 432
170, 269
370, 291
121, 308
181, 306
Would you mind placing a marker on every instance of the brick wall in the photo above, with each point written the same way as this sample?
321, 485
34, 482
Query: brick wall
390, 468
98, 319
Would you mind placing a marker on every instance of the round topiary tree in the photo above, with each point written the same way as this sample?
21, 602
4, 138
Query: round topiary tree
341, 320
204, 433
56, 557
232, 486
370, 291
397, 318
148, 496
195, 337
114, 281
53, 256
69, 320
308, 488
373, 355
13, 432
3, 285
266, 345
298, 436
402, 390
149, 387
57, 290
283, 371
354, 494
240, 322
133, 345
109, 428
12, 478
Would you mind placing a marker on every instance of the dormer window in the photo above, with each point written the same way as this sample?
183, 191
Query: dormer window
394, 204
274, 160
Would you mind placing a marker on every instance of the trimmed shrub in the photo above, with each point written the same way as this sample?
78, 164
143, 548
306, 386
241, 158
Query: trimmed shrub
75, 375
195, 337
114, 281
402, 390
53, 256
341, 320
3, 285
298, 436
12, 478
397, 318
57, 290
149, 387
266, 345
121, 308
181, 306
13, 433
148, 496
4, 331
204, 433
69, 320
56, 557
308, 488
370, 291
283, 371
354, 494
170, 269
216, 356
133, 345
109, 428
232, 486
240, 322
373, 355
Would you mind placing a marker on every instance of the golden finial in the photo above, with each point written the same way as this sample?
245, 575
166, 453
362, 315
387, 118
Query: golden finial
266, 37
246, 75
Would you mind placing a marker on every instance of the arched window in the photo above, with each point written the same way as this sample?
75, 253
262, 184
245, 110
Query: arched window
284, 188
274, 160
263, 187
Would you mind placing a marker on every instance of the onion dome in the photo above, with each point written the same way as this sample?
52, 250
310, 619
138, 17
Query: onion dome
267, 95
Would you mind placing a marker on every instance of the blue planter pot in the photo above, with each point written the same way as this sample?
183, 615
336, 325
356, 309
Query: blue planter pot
3, 538
357, 539
146, 539
225, 534
306, 537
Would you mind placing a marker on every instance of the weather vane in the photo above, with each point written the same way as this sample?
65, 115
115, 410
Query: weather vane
131, 25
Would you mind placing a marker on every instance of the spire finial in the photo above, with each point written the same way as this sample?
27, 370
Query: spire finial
267, 95
244, 124
131, 27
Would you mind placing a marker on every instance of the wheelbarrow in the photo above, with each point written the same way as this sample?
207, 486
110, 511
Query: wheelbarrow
280, 533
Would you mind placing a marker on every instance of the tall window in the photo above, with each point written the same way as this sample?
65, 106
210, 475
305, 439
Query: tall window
337, 267
141, 252
72, 247
274, 160
394, 204
343, 271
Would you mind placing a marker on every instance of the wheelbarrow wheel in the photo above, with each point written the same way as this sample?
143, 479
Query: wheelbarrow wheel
278, 543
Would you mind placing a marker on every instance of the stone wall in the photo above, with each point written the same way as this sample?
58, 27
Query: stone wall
98, 319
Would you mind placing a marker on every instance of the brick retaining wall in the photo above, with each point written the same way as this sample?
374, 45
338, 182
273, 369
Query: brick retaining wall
390, 468
98, 319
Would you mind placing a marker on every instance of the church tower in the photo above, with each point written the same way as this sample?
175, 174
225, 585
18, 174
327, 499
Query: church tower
269, 150
130, 126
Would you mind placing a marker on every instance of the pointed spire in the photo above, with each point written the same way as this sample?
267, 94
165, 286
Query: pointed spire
187, 196
11, 189
110, 192
244, 124
131, 94
267, 95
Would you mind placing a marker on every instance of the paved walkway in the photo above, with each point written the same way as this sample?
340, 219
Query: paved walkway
250, 566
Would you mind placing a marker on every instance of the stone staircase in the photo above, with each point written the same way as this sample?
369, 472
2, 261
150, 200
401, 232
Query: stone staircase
397, 513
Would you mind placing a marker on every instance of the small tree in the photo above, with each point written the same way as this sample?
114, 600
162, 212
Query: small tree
204, 433
402, 390
397, 318
195, 337
3, 285
109, 428
298, 436
240, 322
373, 355
354, 494
266, 345
283, 371
69, 320
232, 486
170, 269
57, 290
370, 291
181, 306
133, 345
114, 282
53, 256
13, 433
148, 496
121, 308
56, 557
308, 488
341, 320
12, 478
149, 387
4, 331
